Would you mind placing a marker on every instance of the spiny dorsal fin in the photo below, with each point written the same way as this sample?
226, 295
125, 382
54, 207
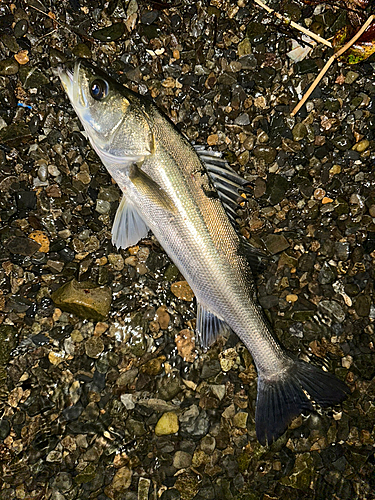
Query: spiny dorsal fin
228, 183
209, 326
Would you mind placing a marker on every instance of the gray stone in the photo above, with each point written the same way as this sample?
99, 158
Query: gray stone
332, 309
181, 460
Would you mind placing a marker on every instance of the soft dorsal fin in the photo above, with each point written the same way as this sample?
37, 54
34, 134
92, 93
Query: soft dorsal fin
209, 326
128, 227
257, 259
228, 183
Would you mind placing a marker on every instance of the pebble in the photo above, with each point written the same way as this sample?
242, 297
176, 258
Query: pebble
110, 33
275, 243
182, 290
154, 366
333, 309
120, 483
22, 246
351, 77
185, 343
162, 317
228, 359
143, 488
194, 423
42, 239
208, 444
167, 424
84, 299
240, 420
22, 57
299, 131
94, 347
327, 274
116, 261
181, 460
361, 146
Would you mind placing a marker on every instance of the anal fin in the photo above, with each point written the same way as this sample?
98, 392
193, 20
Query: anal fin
209, 326
128, 227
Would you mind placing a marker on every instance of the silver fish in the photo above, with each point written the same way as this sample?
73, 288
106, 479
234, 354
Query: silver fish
187, 198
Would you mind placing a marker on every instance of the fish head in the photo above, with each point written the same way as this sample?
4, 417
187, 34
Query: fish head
114, 117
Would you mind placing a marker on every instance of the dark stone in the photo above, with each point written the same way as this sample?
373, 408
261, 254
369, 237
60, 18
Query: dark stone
73, 412
306, 66
210, 368
149, 16
22, 246
25, 200
4, 429
171, 494
110, 33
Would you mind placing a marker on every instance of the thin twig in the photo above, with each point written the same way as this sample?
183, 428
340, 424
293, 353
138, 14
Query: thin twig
330, 61
293, 24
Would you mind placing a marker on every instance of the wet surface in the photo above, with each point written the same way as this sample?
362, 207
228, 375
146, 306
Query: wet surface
126, 406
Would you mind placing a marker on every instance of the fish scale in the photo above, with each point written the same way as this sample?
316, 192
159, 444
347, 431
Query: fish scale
167, 188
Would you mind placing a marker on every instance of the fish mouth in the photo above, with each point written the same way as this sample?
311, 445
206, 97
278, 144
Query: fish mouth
70, 80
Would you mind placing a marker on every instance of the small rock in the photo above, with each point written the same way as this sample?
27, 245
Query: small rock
332, 309
55, 358
228, 359
120, 483
351, 77
127, 401
327, 274
182, 290
154, 366
22, 246
22, 57
84, 299
275, 243
8, 67
42, 239
208, 444
210, 368
362, 305
94, 347
110, 33
163, 317
116, 261
143, 488
167, 424
299, 131
240, 419
181, 460
185, 342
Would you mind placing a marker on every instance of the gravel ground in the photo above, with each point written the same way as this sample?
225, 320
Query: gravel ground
103, 393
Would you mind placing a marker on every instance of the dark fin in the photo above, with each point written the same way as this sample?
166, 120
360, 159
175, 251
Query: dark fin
128, 227
149, 188
257, 259
209, 326
228, 183
283, 398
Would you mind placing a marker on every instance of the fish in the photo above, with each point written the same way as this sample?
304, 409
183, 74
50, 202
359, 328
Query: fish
188, 196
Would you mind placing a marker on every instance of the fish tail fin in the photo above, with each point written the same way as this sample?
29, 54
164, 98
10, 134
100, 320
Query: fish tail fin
283, 397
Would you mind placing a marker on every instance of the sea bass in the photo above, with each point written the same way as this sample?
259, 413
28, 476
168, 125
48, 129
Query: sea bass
187, 197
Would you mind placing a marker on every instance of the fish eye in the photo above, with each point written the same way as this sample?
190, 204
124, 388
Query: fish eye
99, 89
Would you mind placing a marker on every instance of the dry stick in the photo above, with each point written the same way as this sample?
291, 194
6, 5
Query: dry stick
329, 62
293, 24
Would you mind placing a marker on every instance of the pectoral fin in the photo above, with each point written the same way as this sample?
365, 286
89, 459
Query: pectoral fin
150, 189
128, 227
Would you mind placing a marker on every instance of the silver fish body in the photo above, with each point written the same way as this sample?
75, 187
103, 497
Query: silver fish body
168, 189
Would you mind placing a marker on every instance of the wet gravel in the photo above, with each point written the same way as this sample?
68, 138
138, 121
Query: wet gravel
124, 406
